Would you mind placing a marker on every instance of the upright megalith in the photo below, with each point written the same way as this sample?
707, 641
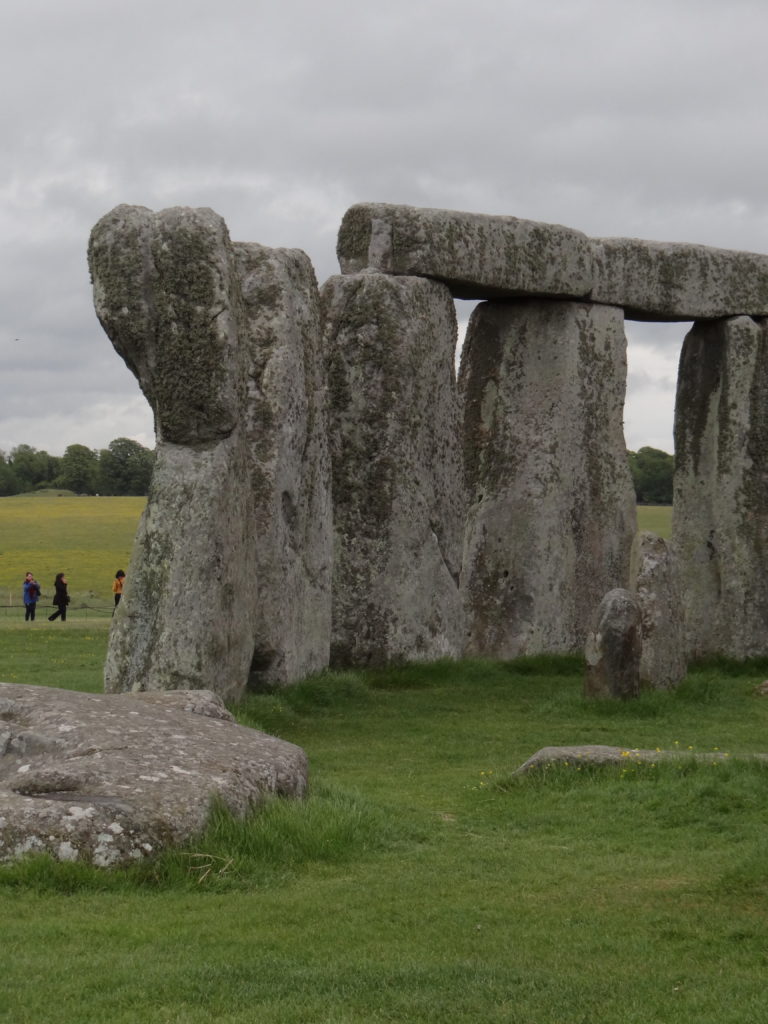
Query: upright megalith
398, 490
614, 647
230, 573
720, 523
289, 464
475, 255
552, 507
656, 585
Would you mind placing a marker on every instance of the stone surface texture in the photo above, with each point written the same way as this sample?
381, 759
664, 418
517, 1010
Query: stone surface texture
656, 585
476, 256
229, 582
113, 778
720, 525
613, 648
289, 464
676, 281
587, 754
398, 489
552, 507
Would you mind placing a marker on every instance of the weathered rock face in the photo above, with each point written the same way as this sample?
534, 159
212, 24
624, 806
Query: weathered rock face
289, 462
552, 507
613, 648
230, 575
720, 524
655, 583
398, 490
476, 256
674, 281
113, 778
485, 257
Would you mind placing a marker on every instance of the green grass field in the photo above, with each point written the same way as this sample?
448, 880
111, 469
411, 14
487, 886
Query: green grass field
87, 538
421, 881
656, 518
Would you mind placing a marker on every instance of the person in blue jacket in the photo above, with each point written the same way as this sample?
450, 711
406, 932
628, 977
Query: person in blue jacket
31, 597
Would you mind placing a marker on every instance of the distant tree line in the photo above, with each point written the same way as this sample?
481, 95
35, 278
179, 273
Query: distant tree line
123, 467
652, 471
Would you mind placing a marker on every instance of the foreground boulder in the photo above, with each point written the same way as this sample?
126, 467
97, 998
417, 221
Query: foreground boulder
229, 582
113, 778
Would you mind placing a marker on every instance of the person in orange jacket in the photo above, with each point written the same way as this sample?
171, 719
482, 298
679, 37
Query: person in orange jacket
117, 587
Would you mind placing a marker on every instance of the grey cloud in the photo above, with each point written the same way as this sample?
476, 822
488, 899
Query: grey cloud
612, 118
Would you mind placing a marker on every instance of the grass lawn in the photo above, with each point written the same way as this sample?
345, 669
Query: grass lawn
656, 518
421, 882
87, 538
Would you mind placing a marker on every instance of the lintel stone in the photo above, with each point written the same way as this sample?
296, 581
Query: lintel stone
670, 281
477, 256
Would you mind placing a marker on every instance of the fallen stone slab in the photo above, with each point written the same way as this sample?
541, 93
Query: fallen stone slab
111, 779
598, 754
676, 281
477, 256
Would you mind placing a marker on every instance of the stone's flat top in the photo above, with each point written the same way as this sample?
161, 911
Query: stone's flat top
599, 754
481, 256
475, 254
112, 778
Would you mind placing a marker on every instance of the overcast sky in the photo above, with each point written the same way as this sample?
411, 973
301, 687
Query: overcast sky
616, 118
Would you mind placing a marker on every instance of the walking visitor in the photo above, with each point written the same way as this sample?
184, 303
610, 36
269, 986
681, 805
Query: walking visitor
60, 598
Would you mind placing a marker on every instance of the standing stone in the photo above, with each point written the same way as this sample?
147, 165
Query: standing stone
224, 341
398, 489
656, 586
720, 523
290, 473
552, 507
613, 648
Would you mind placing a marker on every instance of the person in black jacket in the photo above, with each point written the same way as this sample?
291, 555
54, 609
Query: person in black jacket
60, 598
